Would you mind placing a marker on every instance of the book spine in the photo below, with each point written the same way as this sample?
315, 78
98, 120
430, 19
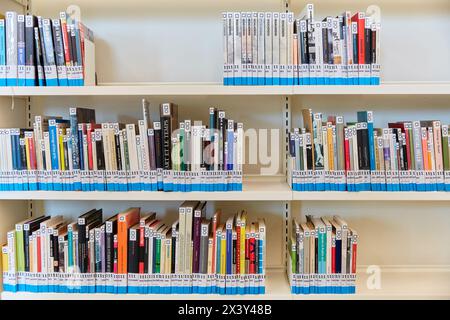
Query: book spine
21, 50
51, 75
59, 53
11, 48
30, 70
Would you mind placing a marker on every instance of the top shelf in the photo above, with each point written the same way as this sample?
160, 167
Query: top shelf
216, 89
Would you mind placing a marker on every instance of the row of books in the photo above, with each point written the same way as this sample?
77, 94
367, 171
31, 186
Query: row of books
279, 48
331, 154
323, 254
79, 154
126, 251
36, 51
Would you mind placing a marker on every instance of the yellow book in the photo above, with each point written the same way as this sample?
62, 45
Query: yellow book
330, 146
223, 252
27, 152
4, 258
61, 149
242, 242
210, 255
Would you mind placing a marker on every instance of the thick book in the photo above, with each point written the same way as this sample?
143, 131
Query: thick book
199, 215
30, 51
83, 221
126, 219
21, 50
133, 249
110, 232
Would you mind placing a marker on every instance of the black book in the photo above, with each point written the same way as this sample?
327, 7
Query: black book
174, 252
118, 153
362, 138
133, 249
373, 46
146, 248
84, 221
169, 123
302, 31
41, 39
99, 148
30, 58
222, 127
23, 154
158, 144
28, 229
308, 146
355, 44
368, 44
110, 231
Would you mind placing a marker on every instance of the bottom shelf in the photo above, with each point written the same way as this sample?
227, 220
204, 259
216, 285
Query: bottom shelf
399, 284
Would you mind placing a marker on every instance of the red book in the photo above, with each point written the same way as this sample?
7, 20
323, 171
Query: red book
346, 151
252, 254
354, 249
359, 18
65, 38
90, 128
38, 249
33, 164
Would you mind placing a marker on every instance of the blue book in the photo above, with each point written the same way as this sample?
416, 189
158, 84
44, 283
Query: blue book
338, 256
53, 135
229, 246
230, 144
80, 81
2, 54
74, 138
367, 116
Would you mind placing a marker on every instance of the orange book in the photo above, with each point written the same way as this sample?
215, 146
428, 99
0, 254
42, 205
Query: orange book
425, 148
125, 220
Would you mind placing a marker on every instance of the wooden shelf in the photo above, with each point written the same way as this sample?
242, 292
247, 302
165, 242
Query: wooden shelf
217, 89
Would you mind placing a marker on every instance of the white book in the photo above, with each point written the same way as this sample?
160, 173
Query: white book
261, 48
11, 243
112, 145
11, 48
307, 13
254, 48
237, 53
144, 145
182, 238
329, 229
249, 49
276, 47
268, 48
225, 47
94, 152
122, 135
139, 151
9, 161
106, 146
230, 41
290, 48
244, 47
48, 161
283, 48
132, 151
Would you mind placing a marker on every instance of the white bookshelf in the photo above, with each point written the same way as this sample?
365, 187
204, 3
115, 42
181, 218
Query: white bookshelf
217, 89
135, 59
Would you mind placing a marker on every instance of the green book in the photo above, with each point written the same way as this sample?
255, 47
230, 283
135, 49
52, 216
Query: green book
158, 254
20, 249
293, 247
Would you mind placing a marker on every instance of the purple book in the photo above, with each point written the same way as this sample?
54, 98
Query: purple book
199, 214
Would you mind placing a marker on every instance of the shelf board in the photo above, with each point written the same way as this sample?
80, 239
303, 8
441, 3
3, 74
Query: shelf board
255, 188
394, 285
277, 288
217, 89
370, 196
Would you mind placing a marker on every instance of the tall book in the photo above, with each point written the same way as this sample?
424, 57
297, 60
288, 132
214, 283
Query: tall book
83, 222
199, 215
169, 123
126, 219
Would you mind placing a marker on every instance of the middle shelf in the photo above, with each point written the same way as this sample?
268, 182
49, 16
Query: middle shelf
255, 188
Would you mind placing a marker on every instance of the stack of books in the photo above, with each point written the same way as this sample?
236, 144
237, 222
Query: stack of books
136, 252
322, 256
329, 154
79, 154
36, 51
280, 48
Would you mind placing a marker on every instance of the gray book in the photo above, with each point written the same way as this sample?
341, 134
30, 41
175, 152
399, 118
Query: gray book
204, 237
